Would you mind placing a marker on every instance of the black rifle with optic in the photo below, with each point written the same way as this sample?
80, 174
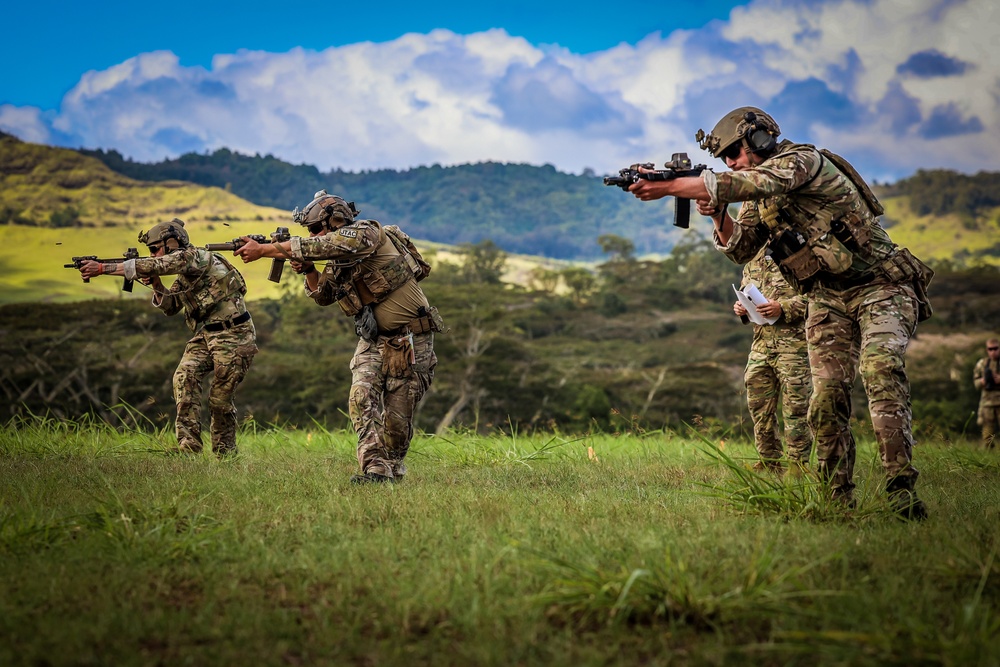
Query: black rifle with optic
679, 165
131, 253
277, 236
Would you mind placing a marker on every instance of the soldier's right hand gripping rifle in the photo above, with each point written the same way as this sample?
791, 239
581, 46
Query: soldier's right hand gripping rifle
679, 165
131, 253
277, 236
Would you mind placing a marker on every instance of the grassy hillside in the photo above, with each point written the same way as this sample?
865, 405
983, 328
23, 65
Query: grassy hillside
37, 182
952, 236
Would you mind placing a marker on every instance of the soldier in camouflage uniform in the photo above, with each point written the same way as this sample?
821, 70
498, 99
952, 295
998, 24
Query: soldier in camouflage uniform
986, 378
865, 294
371, 273
778, 364
210, 292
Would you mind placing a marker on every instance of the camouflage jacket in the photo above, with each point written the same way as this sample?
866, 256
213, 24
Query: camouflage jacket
363, 268
810, 196
763, 272
208, 288
987, 397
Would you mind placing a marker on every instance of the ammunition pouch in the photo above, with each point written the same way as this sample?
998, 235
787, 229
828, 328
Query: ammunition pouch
790, 250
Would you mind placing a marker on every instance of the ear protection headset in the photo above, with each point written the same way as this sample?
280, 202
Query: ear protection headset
758, 138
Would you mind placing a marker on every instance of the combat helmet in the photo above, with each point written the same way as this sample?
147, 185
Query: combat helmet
165, 232
754, 128
329, 211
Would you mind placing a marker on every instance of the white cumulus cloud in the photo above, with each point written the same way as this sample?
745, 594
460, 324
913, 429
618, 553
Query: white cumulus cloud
895, 85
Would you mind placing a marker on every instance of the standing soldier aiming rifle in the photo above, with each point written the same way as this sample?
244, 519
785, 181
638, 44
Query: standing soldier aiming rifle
986, 378
210, 292
866, 295
371, 273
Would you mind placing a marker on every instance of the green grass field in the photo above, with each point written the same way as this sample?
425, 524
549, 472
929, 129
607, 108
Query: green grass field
632, 549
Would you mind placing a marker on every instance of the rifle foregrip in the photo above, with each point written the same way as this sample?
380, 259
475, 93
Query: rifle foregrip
127, 285
682, 213
277, 266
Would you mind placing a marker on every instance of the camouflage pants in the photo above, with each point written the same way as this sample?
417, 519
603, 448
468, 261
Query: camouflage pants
385, 390
989, 420
771, 373
868, 326
227, 355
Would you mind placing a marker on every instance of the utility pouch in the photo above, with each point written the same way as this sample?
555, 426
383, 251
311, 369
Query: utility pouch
792, 252
833, 256
852, 231
365, 325
437, 321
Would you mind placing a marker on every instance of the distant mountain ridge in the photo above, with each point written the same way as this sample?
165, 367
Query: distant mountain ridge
524, 209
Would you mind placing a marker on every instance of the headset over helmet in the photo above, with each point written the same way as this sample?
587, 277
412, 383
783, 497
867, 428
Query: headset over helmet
165, 232
325, 211
757, 131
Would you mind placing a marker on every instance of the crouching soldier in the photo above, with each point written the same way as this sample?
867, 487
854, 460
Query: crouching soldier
210, 292
371, 273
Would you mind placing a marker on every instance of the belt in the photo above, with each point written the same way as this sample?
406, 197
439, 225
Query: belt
841, 284
228, 324
417, 325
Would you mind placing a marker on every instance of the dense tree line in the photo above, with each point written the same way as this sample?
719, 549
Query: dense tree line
522, 208
940, 192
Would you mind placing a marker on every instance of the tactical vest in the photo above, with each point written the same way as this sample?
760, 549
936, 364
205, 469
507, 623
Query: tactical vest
829, 240
824, 247
203, 294
356, 287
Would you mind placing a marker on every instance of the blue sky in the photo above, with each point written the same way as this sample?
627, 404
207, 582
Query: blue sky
895, 85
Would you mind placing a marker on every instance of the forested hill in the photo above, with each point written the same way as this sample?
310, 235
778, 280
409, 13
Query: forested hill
523, 209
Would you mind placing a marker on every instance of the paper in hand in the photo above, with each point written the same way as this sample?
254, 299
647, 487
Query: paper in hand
750, 298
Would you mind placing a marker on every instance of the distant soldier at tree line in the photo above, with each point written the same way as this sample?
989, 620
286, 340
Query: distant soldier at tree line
210, 291
371, 273
778, 365
986, 378
865, 294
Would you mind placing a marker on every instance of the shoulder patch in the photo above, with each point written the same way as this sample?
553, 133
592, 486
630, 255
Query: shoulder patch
348, 232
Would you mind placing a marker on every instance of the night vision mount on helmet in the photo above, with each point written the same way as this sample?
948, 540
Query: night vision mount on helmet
328, 210
163, 232
754, 128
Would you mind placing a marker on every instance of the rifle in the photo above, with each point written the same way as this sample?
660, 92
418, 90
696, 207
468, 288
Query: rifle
989, 382
679, 165
131, 253
277, 236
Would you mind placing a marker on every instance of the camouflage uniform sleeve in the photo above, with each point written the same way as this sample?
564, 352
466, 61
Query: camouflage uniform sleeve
348, 244
793, 309
186, 262
749, 236
777, 175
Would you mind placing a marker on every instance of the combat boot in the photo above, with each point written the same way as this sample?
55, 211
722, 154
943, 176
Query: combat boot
903, 499
371, 478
